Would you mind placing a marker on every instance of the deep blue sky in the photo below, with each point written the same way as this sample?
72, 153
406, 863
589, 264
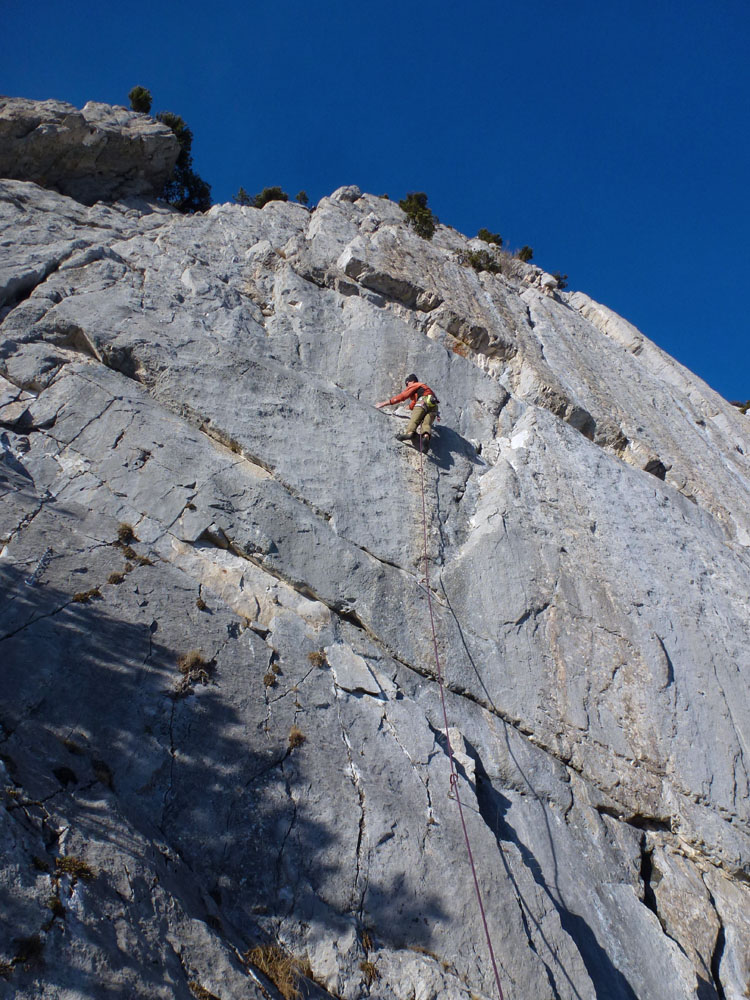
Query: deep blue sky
614, 138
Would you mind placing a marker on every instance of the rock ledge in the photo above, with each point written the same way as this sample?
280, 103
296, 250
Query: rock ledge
100, 153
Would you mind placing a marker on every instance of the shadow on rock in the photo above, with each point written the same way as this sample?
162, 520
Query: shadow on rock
606, 977
493, 806
447, 445
102, 735
402, 914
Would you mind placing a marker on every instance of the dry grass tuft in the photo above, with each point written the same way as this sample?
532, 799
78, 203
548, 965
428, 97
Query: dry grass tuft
420, 950
70, 865
125, 533
283, 969
103, 773
187, 663
86, 595
269, 679
318, 658
195, 669
296, 737
201, 992
370, 972
116, 578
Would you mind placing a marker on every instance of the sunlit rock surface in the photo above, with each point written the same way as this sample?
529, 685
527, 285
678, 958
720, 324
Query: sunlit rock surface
209, 382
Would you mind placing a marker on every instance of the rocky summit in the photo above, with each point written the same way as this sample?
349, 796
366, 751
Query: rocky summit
225, 770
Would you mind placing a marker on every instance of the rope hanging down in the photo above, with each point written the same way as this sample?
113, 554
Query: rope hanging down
454, 775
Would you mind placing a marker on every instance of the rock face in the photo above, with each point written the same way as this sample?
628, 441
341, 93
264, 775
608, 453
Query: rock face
221, 726
100, 153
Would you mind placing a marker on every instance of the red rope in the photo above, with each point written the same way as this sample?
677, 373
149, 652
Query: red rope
454, 775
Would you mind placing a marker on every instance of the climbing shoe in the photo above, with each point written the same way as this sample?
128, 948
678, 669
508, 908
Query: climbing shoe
403, 436
425, 443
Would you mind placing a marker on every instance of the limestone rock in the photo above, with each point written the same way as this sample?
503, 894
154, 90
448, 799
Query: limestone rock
221, 724
100, 153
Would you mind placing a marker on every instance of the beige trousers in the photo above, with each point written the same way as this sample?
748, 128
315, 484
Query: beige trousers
421, 416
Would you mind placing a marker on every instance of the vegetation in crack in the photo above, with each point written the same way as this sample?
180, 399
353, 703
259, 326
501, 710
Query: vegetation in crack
480, 260
285, 970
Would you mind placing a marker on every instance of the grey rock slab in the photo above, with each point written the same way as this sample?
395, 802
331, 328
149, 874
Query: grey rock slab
731, 960
684, 906
647, 664
350, 671
639, 389
221, 674
89, 943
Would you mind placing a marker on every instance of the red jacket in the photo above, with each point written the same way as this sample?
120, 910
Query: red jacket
413, 391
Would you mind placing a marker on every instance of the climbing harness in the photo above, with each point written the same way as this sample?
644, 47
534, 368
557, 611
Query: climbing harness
454, 775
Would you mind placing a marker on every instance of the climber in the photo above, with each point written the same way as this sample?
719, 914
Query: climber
424, 403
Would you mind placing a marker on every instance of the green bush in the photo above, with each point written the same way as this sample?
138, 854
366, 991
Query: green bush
525, 254
302, 198
480, 260
269, 194
418, 215
242, 197
562, 279
140, 100
185, 189
488, 237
